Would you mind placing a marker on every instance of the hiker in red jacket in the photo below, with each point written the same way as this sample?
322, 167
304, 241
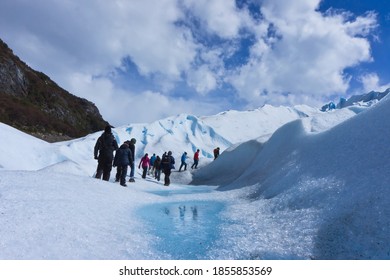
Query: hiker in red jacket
196, 160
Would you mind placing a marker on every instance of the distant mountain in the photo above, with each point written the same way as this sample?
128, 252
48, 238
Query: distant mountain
241, 131
362, 99
187, 133
32, 102
240, 126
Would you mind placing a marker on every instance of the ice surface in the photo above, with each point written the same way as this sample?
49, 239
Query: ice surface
310, 185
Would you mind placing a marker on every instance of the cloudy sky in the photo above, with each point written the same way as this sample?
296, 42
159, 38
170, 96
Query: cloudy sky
142, 60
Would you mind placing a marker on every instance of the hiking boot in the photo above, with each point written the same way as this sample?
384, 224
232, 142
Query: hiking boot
123, 185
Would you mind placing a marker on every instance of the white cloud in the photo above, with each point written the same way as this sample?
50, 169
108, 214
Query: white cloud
371, 82
153, 40
308, 54
219, 16
363, 25
121, 107
202, 80
94, 36
295, 49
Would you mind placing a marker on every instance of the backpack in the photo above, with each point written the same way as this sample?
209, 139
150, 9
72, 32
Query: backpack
106, 145
166, 161
102, 143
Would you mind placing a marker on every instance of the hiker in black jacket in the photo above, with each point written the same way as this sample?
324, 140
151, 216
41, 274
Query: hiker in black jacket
105, 146
123, 158
132, 167
167, 164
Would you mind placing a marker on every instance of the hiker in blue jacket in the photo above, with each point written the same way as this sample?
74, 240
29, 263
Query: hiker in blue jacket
183, 161
157, 168
123, 158
151, 166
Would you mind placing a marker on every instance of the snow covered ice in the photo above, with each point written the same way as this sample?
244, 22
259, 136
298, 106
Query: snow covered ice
289, 184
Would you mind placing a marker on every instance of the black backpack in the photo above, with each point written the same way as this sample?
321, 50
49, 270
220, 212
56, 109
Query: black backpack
166, 161
106, 147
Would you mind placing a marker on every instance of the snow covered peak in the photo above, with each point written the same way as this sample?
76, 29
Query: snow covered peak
240, 126
365, 100
176, 133
179, 134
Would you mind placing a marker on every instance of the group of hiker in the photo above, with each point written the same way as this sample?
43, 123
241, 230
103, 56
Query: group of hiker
124, 157
156, 164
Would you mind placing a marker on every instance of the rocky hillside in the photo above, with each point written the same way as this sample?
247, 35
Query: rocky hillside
32, 102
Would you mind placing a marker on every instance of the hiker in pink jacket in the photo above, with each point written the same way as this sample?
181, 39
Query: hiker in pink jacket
145, 162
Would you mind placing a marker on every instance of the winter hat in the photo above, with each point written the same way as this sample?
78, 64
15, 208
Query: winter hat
169, 153
133, 140
107, 129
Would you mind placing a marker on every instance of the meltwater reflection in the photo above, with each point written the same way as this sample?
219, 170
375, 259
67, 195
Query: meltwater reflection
187, 230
